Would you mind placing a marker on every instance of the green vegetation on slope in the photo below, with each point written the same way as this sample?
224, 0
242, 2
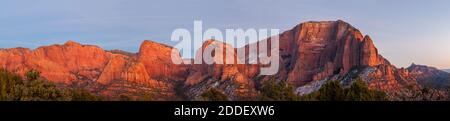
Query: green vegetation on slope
213, 95
331, 91
282, 91
35, 88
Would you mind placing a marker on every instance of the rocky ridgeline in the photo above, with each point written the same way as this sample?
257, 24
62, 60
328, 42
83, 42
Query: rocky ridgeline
311, 53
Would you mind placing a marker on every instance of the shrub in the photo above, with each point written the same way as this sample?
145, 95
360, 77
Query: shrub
333, 91
282, 91
35, 88
214, 95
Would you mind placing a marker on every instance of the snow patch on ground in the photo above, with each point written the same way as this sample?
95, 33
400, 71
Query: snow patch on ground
311, 87
346, 81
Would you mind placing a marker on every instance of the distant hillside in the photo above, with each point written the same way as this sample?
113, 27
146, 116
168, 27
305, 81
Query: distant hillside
446, 70
311, 54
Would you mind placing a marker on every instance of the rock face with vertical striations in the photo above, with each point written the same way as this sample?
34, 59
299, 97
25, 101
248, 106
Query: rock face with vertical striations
103, 72
311, 53
157, 60
63, 64
317, 50
222, 72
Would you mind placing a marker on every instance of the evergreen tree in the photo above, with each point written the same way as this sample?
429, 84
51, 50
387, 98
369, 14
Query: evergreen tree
214, 95
331, 91
84, 95
282, 91
359, 91
35, 88
32, 75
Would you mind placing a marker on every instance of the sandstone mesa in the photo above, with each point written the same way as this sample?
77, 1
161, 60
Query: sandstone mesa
311, 53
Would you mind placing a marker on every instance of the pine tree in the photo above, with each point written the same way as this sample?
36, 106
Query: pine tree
334, 91
331, 91
359, 91
35, 88
214, 95
282, 91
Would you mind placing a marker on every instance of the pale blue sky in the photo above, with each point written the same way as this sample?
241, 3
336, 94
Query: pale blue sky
404, 31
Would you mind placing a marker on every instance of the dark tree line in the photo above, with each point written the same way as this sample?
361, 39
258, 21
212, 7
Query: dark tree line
330, 91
